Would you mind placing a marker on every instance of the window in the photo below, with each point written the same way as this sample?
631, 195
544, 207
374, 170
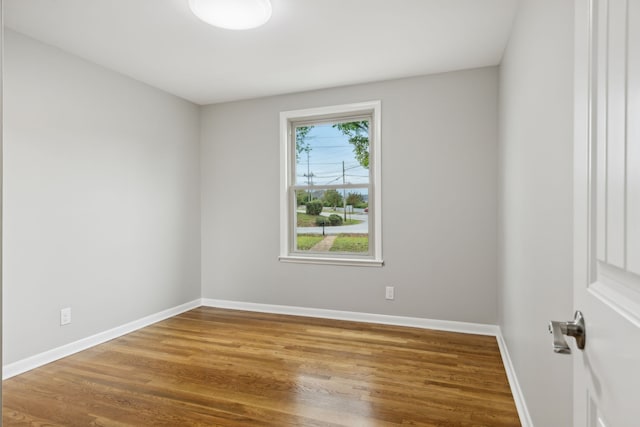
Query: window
330, 185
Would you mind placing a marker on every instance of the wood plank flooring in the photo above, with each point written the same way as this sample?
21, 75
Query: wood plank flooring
214, 367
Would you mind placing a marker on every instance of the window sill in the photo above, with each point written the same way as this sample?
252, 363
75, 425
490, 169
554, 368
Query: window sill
355, 262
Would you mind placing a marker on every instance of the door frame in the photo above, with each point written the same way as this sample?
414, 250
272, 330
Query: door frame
583, 184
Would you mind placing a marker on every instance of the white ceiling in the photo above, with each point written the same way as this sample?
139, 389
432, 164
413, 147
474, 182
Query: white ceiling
307, 44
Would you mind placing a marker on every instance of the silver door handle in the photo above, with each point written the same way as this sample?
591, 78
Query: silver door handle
574, 328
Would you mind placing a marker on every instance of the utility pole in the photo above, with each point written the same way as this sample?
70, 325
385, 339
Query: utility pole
344, 195
309, 176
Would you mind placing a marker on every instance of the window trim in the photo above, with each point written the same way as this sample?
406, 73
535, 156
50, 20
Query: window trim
287, 151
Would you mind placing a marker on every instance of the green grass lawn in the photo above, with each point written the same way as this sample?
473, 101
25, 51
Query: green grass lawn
304, 220
351, 243
307, 241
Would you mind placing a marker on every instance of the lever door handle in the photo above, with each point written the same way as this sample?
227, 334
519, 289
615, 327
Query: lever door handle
574, 328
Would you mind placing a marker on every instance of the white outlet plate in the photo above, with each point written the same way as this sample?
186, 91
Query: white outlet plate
389, 292
65, 316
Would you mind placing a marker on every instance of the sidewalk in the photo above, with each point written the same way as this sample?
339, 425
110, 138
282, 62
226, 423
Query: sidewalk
324, 245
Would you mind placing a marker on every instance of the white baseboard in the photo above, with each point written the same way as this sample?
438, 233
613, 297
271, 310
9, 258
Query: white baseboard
49, 356
415, 322
516, 391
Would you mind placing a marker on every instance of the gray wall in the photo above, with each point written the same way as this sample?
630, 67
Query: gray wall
536, 154
439, 184
101, 199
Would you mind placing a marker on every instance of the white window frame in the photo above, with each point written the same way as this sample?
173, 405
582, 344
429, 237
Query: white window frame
288, 119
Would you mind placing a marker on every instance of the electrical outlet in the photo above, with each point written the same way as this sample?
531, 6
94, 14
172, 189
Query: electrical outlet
65, 316
389, 292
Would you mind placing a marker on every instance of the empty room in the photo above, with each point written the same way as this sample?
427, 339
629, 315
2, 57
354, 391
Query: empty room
320, 212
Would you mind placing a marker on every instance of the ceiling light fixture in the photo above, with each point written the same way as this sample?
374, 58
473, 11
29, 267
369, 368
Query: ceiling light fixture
232, 14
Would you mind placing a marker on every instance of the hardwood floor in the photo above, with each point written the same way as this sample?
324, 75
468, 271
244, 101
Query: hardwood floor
214, 367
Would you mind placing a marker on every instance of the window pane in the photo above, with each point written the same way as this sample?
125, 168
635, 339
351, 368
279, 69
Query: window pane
332, 221
332, 153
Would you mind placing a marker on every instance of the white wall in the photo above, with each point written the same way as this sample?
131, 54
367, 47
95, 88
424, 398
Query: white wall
439, 184
101, 199
536, 120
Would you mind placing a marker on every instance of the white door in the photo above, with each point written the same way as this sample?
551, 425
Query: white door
607, 212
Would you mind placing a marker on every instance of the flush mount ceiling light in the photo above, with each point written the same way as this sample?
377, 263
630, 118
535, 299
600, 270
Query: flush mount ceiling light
232, 14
